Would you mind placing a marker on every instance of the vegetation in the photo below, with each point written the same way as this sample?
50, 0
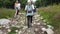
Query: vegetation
13, 30
6, 13
47, 9
52, 15
39, 3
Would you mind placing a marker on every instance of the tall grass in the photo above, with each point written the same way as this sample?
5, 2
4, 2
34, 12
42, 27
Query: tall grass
52, 15
5, 13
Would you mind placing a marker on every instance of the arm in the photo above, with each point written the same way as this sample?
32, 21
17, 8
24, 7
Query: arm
33, 7
19, 6
26, 8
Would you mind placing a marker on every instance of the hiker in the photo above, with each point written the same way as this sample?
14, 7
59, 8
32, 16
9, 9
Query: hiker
17, 8
29, 13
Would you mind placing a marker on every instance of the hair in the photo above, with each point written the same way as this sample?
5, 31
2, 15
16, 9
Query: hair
17, 1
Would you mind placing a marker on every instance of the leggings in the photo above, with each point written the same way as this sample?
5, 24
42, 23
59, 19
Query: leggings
29, 21
17, 12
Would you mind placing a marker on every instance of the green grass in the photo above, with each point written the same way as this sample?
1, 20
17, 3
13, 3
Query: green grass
7, 13
52, 15
13, 30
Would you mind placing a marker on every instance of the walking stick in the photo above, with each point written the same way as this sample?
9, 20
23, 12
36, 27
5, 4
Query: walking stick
25, 19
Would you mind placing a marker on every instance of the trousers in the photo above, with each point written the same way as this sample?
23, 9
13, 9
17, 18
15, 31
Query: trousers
29, 21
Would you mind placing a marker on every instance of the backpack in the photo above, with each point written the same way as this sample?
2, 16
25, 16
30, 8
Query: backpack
29, 10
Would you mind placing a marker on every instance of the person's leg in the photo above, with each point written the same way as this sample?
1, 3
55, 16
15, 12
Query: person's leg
28, 21
31, 18
17, 12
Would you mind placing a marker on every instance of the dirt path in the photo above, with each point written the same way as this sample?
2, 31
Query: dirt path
36, 25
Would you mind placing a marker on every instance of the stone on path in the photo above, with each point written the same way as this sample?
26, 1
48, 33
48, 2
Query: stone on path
4, 21
48, 30
1, 32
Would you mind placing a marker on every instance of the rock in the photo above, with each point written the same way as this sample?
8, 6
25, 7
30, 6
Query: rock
4, 21
48, 30
44, 29
35, 18
1, 32
38, 23
3, 26
36, 29
16, 31
9, 30
7, 27
13, 25
37, 15
0, 26
34, 23
19, 32
51, 27
25, 27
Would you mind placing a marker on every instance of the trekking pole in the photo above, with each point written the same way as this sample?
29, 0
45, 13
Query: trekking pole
25, 19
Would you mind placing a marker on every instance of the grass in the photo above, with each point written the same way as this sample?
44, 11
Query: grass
52, 15
13, 30
7, 13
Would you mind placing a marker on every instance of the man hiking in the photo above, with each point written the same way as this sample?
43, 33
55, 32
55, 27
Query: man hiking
17, 8
29, 13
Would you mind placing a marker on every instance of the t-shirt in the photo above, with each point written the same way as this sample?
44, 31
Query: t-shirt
17, 6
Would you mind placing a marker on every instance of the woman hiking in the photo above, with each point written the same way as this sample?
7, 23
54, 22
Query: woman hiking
29, 13
17, 7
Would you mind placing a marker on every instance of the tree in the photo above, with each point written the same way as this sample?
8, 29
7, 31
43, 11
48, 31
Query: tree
23, 3
39, 3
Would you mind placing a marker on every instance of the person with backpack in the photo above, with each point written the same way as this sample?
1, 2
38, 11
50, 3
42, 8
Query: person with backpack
17, 7
29, 13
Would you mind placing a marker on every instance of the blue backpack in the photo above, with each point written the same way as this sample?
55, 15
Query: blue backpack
29, 10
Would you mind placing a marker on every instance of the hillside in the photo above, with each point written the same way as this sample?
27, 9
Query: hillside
50, 13
52, 16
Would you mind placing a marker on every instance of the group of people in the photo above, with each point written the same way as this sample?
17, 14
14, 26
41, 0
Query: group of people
29, 8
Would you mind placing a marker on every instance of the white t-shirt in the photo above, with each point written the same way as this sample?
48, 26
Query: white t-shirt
17, 6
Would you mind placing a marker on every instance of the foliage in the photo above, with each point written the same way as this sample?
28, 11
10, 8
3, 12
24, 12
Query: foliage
6, 13
52, 15
39, 3
13, 30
